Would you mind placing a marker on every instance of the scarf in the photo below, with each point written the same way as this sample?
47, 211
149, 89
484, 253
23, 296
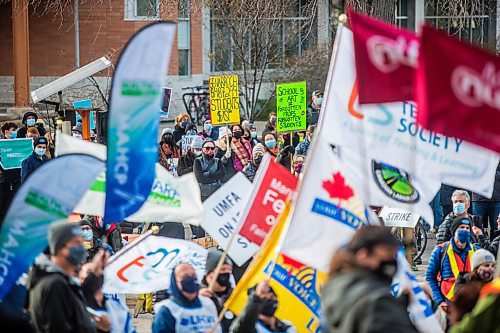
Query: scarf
242, 149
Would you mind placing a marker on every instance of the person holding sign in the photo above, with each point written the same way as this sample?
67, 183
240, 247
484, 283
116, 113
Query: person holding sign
9, 179
209, 170
36, 159
241, 147
224, 153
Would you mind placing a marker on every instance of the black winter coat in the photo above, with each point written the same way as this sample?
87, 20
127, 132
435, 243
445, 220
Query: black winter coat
186, 163
56, 301
209, 174
30, 164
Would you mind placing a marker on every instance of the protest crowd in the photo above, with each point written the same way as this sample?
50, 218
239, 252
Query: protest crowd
233, 253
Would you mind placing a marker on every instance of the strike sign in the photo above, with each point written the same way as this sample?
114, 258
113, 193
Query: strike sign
224, 99
291, 106
267, 201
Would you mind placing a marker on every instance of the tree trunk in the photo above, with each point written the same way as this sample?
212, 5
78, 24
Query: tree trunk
382, 9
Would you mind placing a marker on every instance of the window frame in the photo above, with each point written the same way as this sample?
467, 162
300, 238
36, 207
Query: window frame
130, 11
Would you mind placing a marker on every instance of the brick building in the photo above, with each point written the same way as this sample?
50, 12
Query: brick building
105, 28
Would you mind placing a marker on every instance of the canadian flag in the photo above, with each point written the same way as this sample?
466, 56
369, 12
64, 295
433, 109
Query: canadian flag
458, 89
386, 59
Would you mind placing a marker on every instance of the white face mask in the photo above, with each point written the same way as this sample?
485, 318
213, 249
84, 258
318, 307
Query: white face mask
78, 136
197, 152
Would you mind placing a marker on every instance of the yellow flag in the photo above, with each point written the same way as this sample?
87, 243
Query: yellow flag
296, 285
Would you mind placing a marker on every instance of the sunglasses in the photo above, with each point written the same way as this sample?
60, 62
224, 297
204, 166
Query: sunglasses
209, 148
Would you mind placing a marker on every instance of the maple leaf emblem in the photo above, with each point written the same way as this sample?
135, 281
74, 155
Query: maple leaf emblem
337, 188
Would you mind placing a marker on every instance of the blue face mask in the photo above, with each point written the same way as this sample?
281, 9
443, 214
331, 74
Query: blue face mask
191, 133
185, 123
190, 284
207, 127
40, 151
253, 134
87, 234
458, 208
463, 236
271, 144
319, 101
76, 255
30, 122
13, 134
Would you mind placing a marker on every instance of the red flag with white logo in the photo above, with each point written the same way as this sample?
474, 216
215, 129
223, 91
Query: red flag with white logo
386, 59
274, 184
458, 89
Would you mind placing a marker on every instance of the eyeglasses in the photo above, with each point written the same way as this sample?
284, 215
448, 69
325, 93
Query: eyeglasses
209, 148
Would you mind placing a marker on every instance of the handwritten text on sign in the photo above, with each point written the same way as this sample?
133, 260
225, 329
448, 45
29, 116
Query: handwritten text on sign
291, 106
224, 99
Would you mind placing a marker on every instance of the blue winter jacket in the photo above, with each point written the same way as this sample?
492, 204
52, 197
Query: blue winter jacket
302, 148
29, 164
434, 268
164, 321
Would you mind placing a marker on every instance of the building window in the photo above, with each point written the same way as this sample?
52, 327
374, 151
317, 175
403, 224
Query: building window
296, 32
142, 10
183, 38
402, 15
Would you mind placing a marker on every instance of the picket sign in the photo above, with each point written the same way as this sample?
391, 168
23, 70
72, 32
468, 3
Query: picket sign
396, 217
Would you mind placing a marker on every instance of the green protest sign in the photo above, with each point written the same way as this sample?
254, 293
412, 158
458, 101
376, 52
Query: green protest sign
291, 106
14, 151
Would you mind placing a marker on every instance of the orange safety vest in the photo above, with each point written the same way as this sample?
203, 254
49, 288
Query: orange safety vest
457, 267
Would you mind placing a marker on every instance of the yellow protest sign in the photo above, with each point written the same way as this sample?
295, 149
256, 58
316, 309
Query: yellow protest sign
296, 285
224, 99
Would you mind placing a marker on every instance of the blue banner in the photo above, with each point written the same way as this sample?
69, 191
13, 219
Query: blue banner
48, 195
136, 96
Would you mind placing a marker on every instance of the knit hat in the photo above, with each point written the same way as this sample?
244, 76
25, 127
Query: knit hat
60, 233
197, 142
207, 141
245, 123
167, 131
85, 222
213, 258
457, 222
258, 149
40, 141
316, 93
223, 132
28, 114
191, 126
78, 128
480, 257
370, 236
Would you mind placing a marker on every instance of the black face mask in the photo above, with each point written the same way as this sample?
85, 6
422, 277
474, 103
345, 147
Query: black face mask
168, 139
223, 279
238, 134
269, 308
387, 269
208, 156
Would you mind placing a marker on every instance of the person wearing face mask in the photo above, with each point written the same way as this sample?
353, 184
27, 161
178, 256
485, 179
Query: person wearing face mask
9, 179
209, 170
270, 125
259, 312
29, 121
186, 161
77, 131
168, 149
91, 243
251, 168
461, 205
182, 121
222, 288
185, 311
55, 294
208, 130
483, 270
314, 109
242, 148
37, 158
298, 165
357, 296
225, 153
271, 144
448, 260
253, 135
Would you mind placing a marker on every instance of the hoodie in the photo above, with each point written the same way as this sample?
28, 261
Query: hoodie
164, 321
56, 299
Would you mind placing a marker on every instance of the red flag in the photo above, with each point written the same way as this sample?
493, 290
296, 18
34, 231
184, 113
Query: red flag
458, 89
274, 184
386, 59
